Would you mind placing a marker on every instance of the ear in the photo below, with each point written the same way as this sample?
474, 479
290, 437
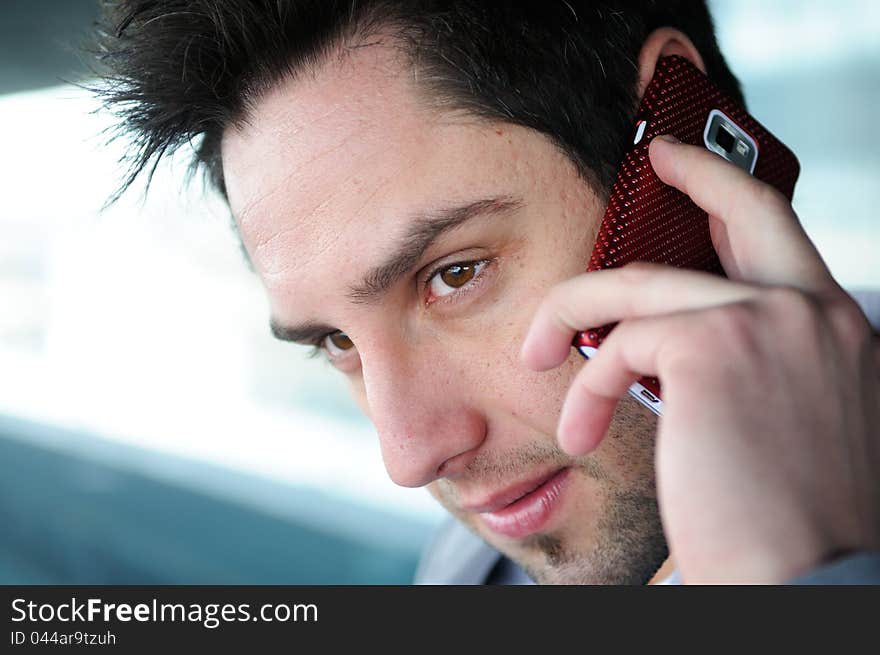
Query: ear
661, 43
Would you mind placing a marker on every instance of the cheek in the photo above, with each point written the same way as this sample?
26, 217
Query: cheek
541, 395
509, 388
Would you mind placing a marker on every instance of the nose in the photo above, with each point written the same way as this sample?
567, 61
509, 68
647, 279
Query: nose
424, 413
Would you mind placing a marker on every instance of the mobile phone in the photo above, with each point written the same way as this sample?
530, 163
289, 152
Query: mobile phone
647, 220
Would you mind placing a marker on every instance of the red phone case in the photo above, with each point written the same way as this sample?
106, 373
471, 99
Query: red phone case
647, 220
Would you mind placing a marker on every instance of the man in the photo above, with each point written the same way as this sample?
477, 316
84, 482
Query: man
419, 185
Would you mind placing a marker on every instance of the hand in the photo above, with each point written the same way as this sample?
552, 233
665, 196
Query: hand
768, 452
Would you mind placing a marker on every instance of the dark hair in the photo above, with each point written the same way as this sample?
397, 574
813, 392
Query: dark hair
181, 71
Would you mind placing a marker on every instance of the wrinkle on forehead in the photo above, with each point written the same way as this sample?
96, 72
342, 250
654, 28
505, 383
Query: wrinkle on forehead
274, 264
279, 253
310, 216
254, 203
301, 236
368, 129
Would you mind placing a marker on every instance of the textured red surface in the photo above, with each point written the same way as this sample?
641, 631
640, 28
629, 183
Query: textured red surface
646, 220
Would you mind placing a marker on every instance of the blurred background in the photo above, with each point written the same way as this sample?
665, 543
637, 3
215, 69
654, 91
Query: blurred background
152, 431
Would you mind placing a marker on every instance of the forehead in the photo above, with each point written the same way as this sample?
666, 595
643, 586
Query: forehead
328, 164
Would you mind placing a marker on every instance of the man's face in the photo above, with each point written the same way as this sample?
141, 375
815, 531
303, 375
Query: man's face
342, 183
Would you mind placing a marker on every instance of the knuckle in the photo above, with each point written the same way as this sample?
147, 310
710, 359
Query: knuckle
849, 322
796, 314
732, 328
770, 199
793, 304
681, 364
691, 352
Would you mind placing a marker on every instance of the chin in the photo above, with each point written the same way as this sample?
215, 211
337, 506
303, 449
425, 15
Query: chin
605, 525
606, 537
554, 559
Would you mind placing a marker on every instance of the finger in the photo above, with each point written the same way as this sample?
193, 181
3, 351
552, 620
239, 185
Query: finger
611, 295
766, 241
633, 350
586, 413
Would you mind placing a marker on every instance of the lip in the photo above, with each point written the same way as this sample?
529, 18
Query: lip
525, 508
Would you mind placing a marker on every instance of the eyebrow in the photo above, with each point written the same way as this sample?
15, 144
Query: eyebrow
424, 231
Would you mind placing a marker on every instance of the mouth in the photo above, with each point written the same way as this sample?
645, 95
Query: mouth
524, 508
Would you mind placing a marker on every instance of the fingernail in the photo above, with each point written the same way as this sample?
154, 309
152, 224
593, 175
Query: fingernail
668, 138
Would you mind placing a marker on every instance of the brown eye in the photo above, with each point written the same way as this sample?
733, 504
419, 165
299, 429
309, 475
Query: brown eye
337, 343
447, 280
457, 275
